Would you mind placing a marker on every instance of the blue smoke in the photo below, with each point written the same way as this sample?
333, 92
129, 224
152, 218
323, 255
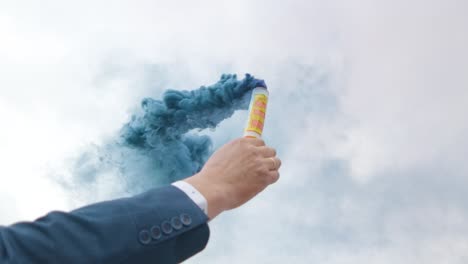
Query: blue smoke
161, 143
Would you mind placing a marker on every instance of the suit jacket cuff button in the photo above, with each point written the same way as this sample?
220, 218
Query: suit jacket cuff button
185, 219
166, 227
145, 237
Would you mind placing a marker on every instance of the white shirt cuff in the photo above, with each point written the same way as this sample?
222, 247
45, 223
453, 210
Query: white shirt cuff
194, 194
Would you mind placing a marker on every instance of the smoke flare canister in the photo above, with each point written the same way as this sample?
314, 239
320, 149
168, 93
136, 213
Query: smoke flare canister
257, 113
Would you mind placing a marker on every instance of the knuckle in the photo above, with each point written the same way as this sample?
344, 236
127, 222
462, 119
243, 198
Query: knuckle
247, 147
279, 162
275, 176
255, 150
273, 151
261, 142
252, 151
262, 151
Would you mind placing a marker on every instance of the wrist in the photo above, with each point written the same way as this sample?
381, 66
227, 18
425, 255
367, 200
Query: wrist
213, 194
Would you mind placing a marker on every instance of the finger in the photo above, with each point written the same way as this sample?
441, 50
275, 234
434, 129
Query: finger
273, 163
273, 176
267, 152
278, 163
255, 141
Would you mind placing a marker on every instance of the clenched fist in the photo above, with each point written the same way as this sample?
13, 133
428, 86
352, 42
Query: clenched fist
235, 174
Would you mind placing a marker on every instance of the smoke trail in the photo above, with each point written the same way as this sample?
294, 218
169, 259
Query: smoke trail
160, 144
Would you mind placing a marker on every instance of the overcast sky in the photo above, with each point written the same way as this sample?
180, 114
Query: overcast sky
369, 103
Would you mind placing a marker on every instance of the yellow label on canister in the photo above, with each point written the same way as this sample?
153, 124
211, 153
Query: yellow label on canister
257, 114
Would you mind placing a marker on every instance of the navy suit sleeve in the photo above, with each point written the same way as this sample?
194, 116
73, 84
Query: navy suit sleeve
162, 225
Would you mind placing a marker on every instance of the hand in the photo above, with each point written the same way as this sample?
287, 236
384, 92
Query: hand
236, 173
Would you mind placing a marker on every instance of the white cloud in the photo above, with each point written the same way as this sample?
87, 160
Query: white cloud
407, 81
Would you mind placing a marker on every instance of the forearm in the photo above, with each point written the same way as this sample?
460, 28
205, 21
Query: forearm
117, 231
